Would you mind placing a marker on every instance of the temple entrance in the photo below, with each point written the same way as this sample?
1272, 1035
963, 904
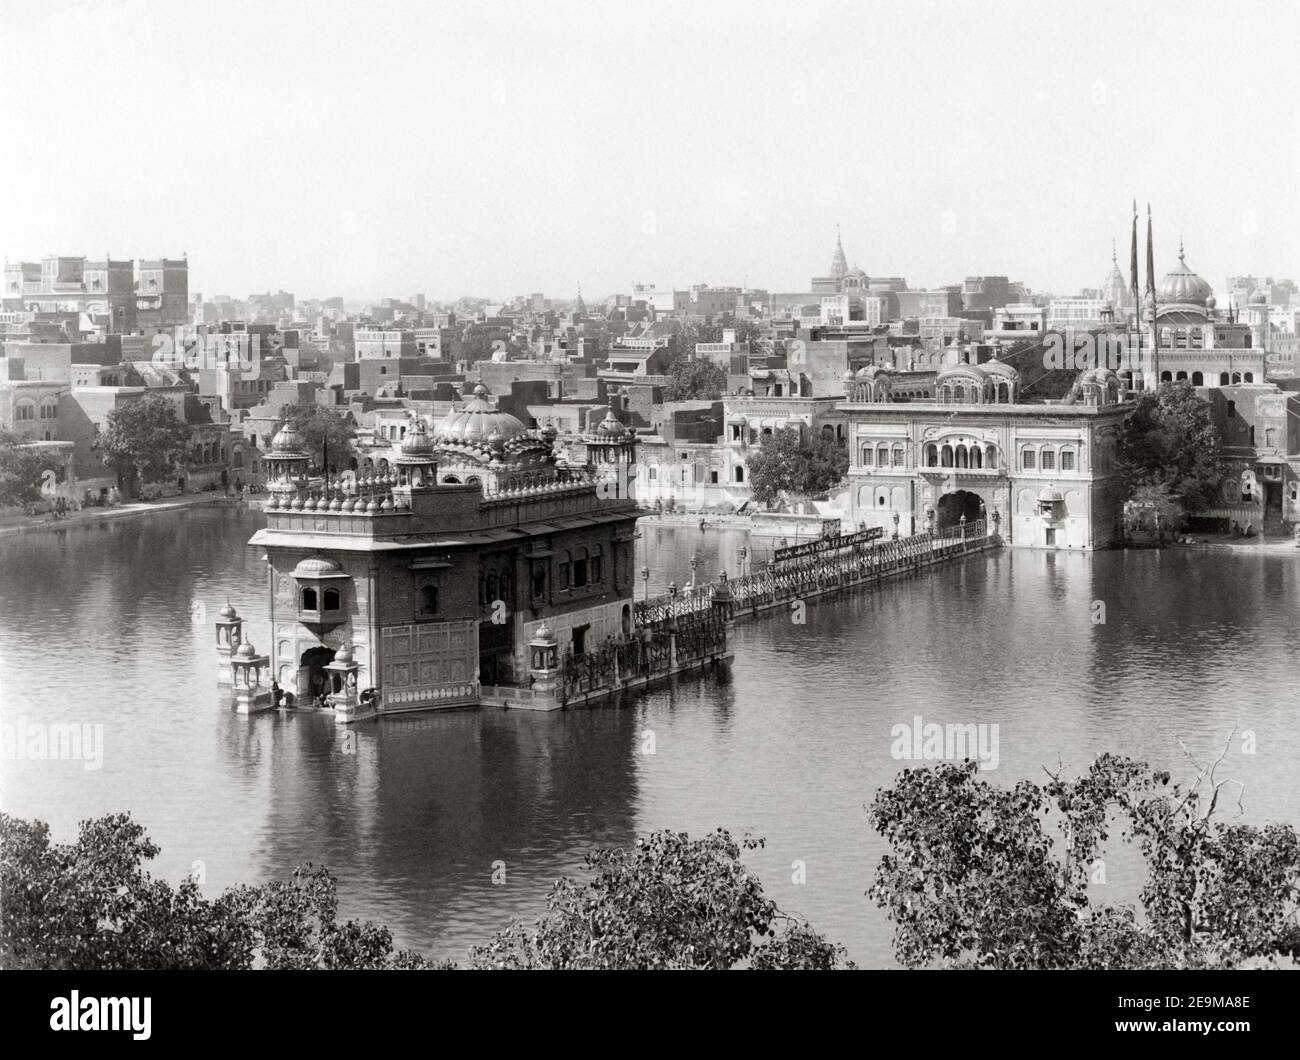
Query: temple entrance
952, 506
312, 678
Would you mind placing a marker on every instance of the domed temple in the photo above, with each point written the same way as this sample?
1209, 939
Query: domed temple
423, 586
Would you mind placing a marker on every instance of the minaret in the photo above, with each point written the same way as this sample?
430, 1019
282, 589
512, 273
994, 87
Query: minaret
1153, 358
1133, 269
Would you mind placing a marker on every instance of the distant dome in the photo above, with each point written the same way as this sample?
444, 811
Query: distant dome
1001, 368
1182, 286
1259, 297
476, 423
871, 371
856, 273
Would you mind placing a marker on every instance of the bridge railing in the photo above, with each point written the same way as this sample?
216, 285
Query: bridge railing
790, 579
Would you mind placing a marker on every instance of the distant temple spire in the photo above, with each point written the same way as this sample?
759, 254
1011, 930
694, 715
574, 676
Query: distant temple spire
839, 263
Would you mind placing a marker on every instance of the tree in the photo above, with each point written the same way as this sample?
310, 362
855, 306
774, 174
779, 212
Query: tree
1170, 441
668, 902
90, 904
320, 426
786, 464
23, 470
1153, 507
692, 378
145, 438
479, 342
972, 879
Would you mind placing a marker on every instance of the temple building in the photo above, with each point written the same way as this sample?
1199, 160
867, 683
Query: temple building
1043, 471
425, 585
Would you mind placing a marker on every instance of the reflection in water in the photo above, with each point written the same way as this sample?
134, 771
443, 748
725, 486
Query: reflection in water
413, 814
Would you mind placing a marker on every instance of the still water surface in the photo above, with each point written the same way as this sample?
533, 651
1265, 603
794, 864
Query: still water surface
95, 627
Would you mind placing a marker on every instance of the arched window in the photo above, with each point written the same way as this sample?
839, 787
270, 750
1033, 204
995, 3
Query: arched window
654, 473
333, 599
1067, 459
50, 409
740, 473
580, 569
1181, 376
428, 599
1249, 377
1198, 379
976, 457
945, 456
1223, 379
1166, 377
931, 455
1028, 459
899, 455
868, 455
596, 565
566, 571
882, 456
963, 458
26, 410
450, 480
308, 600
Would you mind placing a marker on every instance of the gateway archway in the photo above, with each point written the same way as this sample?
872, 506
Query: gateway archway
952, 506
312, 677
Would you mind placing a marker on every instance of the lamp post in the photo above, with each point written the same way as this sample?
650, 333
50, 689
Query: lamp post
695, 559
895, 526
962, 522
645, 581
744, 555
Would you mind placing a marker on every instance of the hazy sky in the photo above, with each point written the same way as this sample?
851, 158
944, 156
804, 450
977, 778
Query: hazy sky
383, 148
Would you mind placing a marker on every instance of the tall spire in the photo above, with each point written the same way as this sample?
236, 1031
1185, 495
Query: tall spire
1133, 261
1151, 267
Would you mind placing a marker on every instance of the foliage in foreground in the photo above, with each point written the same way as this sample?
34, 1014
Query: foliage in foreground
973, 879
90, 904
670, 902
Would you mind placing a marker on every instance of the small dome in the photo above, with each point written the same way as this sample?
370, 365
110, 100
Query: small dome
1211, 302
288, 439
1050, 495
1001, 368
246, 651
228, 612
544, 635
871, 371
417, 441
344, 654
610, 427
313, 565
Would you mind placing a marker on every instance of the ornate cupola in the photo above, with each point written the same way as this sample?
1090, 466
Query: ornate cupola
286, 461
417, 466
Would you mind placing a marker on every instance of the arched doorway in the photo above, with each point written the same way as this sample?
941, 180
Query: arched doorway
312, 678
952, 506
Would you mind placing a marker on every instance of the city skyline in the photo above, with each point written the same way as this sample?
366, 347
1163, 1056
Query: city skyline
947, 148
